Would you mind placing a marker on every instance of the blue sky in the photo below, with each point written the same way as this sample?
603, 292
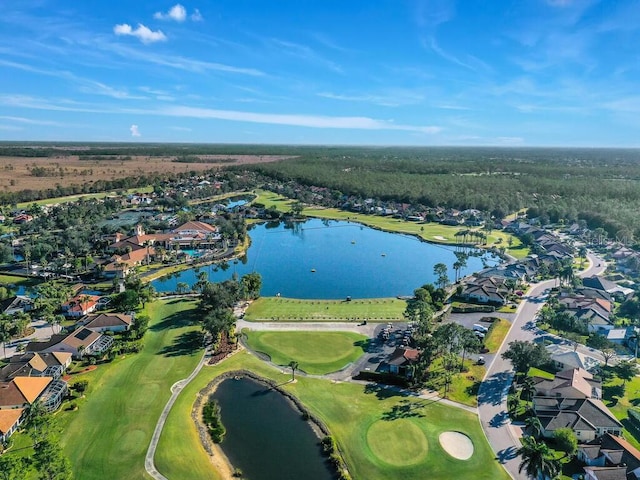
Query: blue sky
390, 72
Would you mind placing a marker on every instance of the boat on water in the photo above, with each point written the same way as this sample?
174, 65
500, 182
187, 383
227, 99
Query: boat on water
313, 270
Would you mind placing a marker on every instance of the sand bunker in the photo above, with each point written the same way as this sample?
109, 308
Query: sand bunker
456, 444
439, 237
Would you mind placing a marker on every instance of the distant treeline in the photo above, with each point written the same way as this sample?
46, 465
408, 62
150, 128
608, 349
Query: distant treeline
600, 186
89, 150
195, 159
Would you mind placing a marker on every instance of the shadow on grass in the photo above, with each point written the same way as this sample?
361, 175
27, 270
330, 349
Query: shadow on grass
382, 391
404, 409
187, 343
176, 320
178, 301
473, 389
493, 389
368, 346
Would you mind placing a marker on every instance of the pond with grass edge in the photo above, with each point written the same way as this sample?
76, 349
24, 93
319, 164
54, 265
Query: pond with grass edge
324, 259
266, 436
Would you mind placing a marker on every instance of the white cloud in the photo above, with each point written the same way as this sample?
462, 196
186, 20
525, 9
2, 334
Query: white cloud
296, 120
177, 13
393, 98
134, 131
142, 33
196, 16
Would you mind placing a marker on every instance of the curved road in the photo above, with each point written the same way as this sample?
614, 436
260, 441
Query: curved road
492, 396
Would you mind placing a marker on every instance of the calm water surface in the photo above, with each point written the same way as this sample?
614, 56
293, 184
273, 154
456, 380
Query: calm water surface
330, 259
266, 437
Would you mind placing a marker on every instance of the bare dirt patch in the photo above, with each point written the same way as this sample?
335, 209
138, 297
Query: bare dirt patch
456, 444
17, 173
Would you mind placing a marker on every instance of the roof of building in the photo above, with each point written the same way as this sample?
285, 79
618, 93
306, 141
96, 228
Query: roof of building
196, 226
590, 451
103, 320
402, 356
8, 418
631, 456
577, 378
607, 473
31, 387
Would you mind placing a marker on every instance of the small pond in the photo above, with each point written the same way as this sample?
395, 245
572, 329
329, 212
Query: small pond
266, 436
321, 259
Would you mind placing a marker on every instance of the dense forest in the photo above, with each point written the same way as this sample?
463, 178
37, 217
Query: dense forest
599, 186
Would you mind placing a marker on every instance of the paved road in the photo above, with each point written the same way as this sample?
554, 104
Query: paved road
492, 396
176, 388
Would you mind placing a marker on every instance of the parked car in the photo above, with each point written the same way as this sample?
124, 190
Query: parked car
480, 328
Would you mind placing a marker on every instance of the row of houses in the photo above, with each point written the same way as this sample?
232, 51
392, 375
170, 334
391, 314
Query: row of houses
36, 374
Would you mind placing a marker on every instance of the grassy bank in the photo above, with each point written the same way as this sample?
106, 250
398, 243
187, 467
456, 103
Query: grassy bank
431, 232
107, 437
497, 333
316, 352
365, 421
297, 310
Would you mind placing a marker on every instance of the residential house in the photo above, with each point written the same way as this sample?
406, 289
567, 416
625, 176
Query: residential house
606, 456
10, 421
107, 322
79, 343
483, 294
566, 358
80, 305
20, 392
572, 399
612, 288
33, 364
16, 304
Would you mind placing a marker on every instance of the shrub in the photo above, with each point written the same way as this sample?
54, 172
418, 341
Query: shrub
328, 445
211, 417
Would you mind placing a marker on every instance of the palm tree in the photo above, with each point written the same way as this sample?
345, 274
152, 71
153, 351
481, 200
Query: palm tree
537, 459
534, 425
182, 287
528, 389
294, 366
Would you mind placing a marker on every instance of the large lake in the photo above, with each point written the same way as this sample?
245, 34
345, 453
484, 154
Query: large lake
332, 260
266, 438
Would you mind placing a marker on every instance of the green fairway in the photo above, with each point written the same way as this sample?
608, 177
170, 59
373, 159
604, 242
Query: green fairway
296, 310
362, 419
7, 279
108, 436
271, 199
316, 352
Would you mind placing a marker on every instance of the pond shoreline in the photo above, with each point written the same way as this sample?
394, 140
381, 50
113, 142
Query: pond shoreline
215, 451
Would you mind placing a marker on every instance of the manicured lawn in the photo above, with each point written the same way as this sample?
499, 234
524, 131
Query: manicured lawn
108, 436
316, 352
497, 332
293, 310
620, 402
270, 199
360, 417
536, 372
20, 281
464, 385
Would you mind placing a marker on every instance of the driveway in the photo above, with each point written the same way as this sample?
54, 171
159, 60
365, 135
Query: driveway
42, 331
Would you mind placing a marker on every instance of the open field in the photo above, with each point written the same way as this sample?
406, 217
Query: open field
73, 198
111, 430
291, 309
317, 353
16, 173
357, 416
6, 279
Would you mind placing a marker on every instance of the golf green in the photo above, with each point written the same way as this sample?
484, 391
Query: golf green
399, 443
315, 352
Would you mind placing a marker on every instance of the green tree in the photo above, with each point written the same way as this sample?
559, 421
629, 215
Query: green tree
12, 467
252, 284
626, 371
534, 425
293, 365
5, 333
51, 462
524, 355
218, 322
566, 441
440, 270
537, 459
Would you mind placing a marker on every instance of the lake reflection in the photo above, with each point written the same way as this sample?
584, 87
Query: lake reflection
331, 259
